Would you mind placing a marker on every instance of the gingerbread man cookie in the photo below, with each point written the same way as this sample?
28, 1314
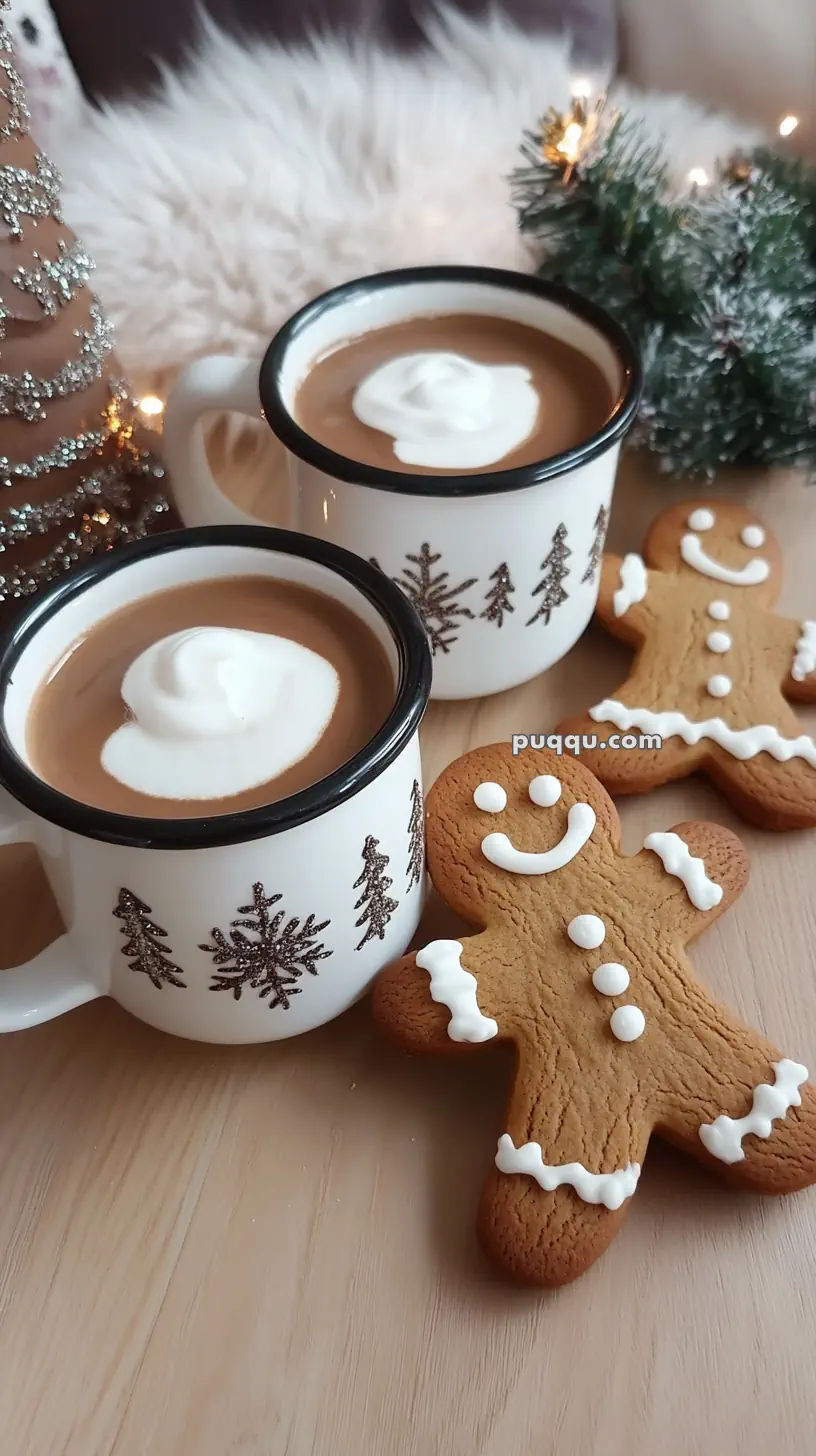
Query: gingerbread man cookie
713, 669
581, 964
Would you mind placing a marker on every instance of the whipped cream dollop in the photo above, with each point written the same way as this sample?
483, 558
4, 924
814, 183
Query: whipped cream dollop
446, 412
216, 711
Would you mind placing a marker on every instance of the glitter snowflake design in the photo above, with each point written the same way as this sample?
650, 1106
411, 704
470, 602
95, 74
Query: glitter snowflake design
274, 959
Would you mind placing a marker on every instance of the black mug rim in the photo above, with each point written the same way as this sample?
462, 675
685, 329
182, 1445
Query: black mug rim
340, 467
215, 831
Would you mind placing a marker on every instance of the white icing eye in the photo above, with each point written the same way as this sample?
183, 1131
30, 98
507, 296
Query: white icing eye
587, 931
627, 1023
719, 611
490, 798
702, 519
545, 791
752, 536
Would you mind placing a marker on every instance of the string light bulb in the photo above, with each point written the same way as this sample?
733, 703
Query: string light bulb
698, 177
567, 138
151, 405
788, 125
570, 143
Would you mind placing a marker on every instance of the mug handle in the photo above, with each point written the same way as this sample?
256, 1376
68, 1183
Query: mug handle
216, 383
53, 981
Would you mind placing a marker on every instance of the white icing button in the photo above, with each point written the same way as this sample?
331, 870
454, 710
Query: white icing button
701, 520
610, 979
490, 798
545, 791
752, 536
627, 1023
588, 931
719, 686
718, 642
719, 611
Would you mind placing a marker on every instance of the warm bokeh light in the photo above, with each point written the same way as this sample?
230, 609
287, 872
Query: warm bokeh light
151, 405
570, 143
581, 88
698, 177
788, 125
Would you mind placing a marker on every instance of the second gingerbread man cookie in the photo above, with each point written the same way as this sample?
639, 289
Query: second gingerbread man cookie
716, 669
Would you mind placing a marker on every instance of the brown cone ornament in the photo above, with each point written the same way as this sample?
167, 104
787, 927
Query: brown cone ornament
76, 474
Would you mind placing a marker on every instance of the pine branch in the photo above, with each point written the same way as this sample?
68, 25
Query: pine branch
717, 287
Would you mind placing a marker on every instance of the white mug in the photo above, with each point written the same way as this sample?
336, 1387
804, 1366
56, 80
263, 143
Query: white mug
503, 567
291, 909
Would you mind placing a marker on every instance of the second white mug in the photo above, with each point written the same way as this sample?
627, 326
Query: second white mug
502, 566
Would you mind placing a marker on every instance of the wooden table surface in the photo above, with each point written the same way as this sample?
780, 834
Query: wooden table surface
269, 1251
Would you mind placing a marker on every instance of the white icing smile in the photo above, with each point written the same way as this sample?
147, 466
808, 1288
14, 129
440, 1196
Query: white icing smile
446, 412
500, 852
751, 574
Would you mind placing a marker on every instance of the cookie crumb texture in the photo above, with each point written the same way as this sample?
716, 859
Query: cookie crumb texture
568, 1151
720, 700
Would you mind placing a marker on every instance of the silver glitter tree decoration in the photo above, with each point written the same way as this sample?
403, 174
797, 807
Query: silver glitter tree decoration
375, 904
75, 478
416, 837
145, 946
550, 588
498, 597
598, 543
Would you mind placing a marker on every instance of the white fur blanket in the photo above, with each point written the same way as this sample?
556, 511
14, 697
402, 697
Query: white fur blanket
260, 177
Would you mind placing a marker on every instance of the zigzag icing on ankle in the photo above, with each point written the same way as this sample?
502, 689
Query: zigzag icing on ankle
804, 660
611, 1189
723, 1137
703, 892
742, 743
455, 987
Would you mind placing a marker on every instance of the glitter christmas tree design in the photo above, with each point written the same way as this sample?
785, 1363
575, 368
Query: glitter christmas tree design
436, 601
143, 946
498, 597
376, 905
601, 524
272, 959
555, 568
416, 831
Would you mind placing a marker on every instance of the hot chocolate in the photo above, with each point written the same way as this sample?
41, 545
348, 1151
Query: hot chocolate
453, 394
210, 698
